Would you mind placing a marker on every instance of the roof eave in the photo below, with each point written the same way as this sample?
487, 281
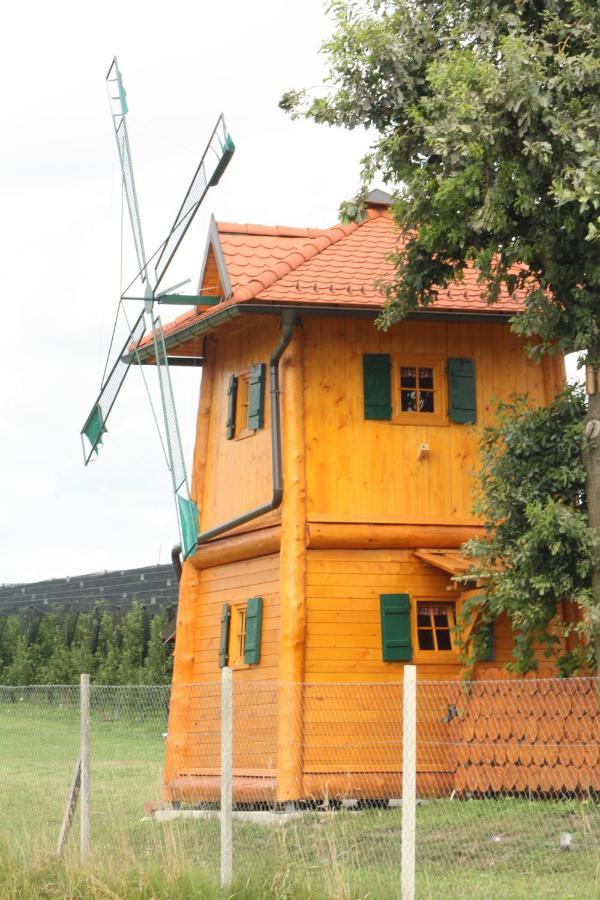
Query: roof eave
219, 317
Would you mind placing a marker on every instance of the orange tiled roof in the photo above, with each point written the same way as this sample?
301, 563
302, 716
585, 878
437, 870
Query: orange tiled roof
334, 266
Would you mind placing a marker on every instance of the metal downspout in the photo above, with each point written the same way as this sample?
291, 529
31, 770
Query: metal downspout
288, 321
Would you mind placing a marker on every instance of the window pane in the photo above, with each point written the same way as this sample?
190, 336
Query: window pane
425, 639
408, 377
423, 620
426, 378
408, 401
440, 617
426, 401
443, 639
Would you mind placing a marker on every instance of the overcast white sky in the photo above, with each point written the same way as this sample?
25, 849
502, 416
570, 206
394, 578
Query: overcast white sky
182, 64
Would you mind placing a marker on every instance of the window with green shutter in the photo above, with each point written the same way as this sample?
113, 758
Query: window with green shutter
256, 397
224, 640
396, 641
231, 407
488, 651
461, 390
253, 631
377, 379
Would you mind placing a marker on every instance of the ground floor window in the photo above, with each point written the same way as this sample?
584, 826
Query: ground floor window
435, 621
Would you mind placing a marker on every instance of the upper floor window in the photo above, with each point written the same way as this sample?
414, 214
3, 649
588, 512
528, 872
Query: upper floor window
419, 388
419, 382
246, 402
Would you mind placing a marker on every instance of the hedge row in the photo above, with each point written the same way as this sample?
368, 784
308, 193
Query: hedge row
55, 649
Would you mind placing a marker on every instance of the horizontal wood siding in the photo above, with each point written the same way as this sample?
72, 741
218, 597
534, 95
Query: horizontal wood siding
353, 709
370, 468
194, 733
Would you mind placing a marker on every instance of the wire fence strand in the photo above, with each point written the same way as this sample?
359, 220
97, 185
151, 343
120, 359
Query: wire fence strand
507, 779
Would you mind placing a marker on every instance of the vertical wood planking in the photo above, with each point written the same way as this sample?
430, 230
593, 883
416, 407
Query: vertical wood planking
370, 468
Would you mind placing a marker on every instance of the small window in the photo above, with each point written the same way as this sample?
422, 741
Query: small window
435, 621
417, 389
237, 635
241, 411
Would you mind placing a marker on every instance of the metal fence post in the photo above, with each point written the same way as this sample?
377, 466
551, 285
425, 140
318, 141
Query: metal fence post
409, 782
84, 700
226, 775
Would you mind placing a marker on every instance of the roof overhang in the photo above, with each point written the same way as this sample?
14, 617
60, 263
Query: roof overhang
219, 316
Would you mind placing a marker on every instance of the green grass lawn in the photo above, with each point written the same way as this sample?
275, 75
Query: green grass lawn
478, 848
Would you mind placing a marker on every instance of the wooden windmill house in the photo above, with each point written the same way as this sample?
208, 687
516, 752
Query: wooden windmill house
333, 476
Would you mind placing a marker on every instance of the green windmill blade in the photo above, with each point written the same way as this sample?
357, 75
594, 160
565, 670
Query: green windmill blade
95, 425
187, 511
214, 161
119, 109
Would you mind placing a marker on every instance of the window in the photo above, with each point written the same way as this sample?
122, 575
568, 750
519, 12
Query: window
241, 410
435, 621
246, 402
241, 626
418, 390
237, 635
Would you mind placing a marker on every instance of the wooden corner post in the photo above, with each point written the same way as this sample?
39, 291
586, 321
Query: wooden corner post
84, 806
292, 577
409, 782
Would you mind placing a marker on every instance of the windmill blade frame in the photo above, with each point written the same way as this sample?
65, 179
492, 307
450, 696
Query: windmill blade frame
95, 424
119, 110
187, 511
215, 159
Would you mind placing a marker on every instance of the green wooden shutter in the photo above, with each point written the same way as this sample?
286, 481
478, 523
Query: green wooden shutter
256, 397
224, 642
377, 376
489, 649
395, 627
461, 386
253, 629
231, 404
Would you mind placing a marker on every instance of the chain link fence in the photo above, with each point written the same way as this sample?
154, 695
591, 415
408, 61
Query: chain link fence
507, 785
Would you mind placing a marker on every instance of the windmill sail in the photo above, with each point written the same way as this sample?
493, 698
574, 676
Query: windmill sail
119, 109
215, 159
187, 511
95, 424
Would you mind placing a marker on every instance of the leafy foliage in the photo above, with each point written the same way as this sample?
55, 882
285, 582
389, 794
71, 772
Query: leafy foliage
538, 548
116, 658
487, 118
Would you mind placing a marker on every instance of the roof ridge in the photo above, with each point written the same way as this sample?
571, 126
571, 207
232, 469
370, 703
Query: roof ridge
268, 230
300, 255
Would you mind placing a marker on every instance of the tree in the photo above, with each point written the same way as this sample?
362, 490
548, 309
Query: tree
487, 121
538, 545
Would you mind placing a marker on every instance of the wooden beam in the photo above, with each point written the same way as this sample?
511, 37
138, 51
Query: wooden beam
237, 548
346, 536
293, 577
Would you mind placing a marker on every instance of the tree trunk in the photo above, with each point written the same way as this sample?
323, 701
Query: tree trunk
592, 464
